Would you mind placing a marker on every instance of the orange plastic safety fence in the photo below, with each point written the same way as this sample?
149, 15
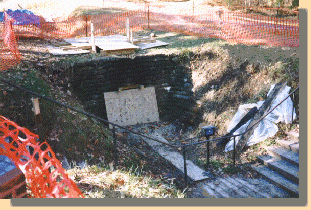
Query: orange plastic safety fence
106, 24
43, 172
9, 53
235, 27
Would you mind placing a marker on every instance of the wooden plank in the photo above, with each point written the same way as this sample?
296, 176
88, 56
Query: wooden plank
278, 180
148, 45
251, 189
265, 107
284, 154
59, 51
73, 47
236, 189
223, 184
131, 107
118, 52
208, 192
194, 172
285, 168
291, 145
144, 40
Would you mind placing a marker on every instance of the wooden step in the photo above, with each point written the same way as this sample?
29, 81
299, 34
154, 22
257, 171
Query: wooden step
237, 187
290, 145
194, 172
278, 180
284, 154
249, 189
218, 191
293, 135
284, 168
233, 187
210, 192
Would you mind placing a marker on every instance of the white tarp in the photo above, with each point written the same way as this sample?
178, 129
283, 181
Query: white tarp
267, 127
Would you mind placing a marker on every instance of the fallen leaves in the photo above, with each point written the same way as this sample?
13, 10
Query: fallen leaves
129, 185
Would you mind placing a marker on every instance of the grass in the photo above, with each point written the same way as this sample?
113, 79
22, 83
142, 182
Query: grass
98, 182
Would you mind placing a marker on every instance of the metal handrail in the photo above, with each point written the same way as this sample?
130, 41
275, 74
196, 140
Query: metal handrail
231, 136
220, 138
82, 112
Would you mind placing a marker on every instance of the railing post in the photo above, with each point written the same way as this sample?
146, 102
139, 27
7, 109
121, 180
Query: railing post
293, 107
207, 155
115, 147
234, 151
185, 166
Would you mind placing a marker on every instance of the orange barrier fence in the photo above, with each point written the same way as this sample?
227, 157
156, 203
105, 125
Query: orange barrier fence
44, 174
9, 53
236, 27
233, 26
106, 24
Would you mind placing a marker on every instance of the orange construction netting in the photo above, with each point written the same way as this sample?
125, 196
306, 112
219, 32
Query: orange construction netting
233, 26
44, 174
9, 53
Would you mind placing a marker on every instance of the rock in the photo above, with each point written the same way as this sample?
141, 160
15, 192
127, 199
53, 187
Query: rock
182, 97
65, 163
175, 59
187, 85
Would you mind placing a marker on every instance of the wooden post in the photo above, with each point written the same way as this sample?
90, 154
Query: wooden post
85, 26
38, 118
131, 35
36, 110
93, 38
148, 17
127, 25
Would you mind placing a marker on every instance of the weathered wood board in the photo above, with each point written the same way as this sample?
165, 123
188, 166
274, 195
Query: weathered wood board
60, 51
131, 107
148, 45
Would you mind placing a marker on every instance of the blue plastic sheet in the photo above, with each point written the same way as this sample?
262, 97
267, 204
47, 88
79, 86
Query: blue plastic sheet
22, 17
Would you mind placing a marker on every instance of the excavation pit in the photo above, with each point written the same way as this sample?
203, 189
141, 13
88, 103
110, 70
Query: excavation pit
171, 80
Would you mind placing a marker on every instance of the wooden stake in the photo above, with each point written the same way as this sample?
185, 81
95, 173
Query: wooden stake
131, 32
127, 24
36, 110
93, 38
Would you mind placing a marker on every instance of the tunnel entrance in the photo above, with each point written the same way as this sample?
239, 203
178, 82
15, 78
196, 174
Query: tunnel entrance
171, 80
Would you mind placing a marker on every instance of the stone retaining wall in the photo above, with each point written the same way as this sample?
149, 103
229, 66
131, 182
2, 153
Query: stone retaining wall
171, 80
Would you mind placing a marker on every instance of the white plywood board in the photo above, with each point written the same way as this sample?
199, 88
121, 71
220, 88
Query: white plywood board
78, 40
114, 42
109, 45
131, 107
157, 43
59, 51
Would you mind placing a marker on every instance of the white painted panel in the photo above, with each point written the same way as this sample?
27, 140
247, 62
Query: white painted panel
131, 107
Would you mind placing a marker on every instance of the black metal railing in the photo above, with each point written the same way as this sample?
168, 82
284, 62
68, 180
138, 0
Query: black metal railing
293, 93
182, 146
